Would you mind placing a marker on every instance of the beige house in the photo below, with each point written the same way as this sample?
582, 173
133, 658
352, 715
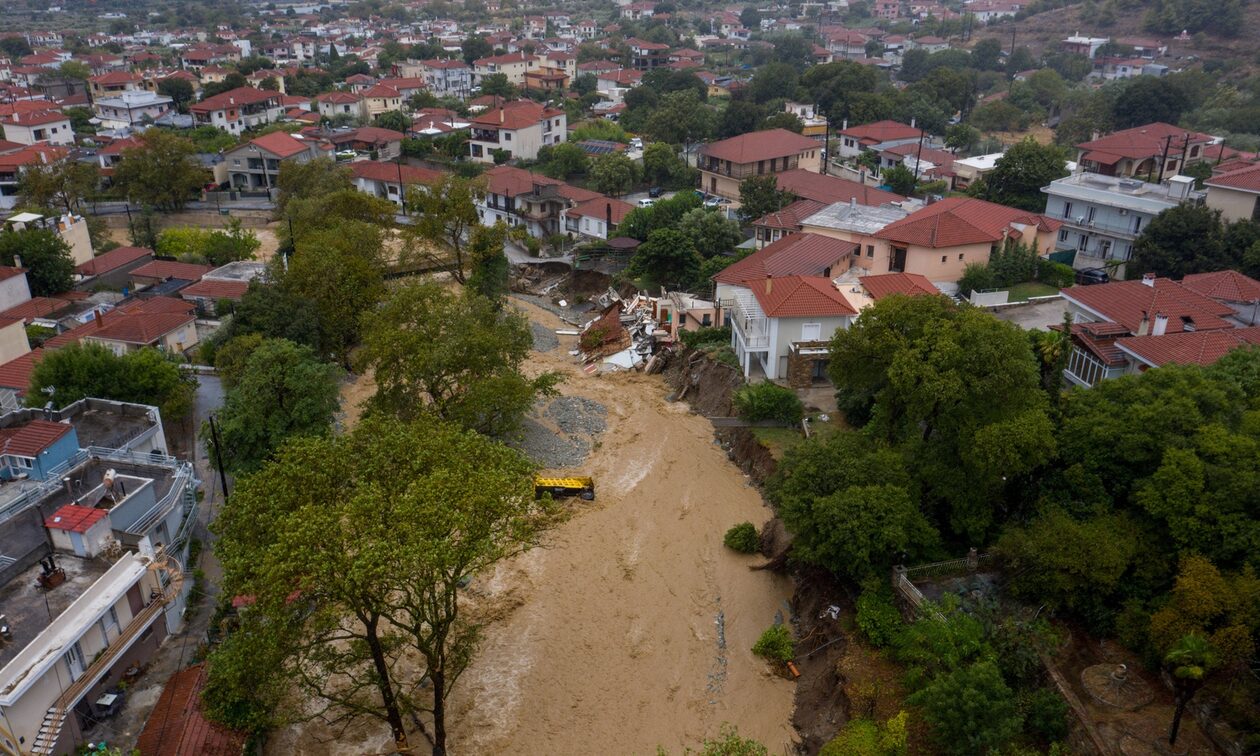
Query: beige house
51, 126
725, 164
334, 104
72, 229
512, 65
13, 341
1236, 194
381, 99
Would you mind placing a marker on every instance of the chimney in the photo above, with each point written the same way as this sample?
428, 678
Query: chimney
1148, 279
852, 204
17, 261
1161, 325
99, 318
844, 125
769, 283
608, 217
1144, 326
500, 115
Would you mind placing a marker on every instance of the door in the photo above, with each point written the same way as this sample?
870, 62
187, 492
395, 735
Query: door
74, 660
898, 260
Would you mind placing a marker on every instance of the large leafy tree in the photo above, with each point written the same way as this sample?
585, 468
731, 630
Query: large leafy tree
179, 90
662, 166
78, 371
1206, 602
680, 117
44, 255
613, 174
1017, 178
640, 222
454, 355
63, 185
710, 232
353, 568
283, 390
1149, 99
1181, 240
759, 195
971, 710
667, 257
957, 391
309, 180
442, 216
161, 171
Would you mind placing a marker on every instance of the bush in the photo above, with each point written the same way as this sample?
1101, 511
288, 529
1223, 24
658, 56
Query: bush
864, 737
768, 401
702, 337
1046, 715
1055, 274
976, 277
742, 538
776, 644
878, 619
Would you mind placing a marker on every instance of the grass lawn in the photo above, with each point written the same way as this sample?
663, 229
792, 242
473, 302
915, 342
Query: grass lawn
779, 440
1021, 292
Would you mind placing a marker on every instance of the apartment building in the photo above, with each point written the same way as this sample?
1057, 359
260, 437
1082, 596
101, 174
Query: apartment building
94, 522
446, 77
1102, 216
131, 109
519, 128
255, 165
511, 65
726, 163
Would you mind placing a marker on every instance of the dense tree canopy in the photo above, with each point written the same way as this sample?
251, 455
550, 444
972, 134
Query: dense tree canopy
44, 255
162, 171
146, 376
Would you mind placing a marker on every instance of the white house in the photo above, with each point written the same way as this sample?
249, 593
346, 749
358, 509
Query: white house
50, 126
129, 109
518, 128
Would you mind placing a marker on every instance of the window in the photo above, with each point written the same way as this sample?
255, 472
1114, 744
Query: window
1067, 209
960, 256
870, 250
1137, 224
1063, 234
811, 331
507, 136
1090, 215
944, 257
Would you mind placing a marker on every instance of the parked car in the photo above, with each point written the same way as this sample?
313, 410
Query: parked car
655, 192
712, 202
647, 202
1089, 276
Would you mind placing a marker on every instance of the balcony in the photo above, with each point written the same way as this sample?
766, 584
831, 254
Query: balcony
1098, 227
750, 323
485, 135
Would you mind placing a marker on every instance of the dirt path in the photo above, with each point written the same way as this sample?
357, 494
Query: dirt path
633, 628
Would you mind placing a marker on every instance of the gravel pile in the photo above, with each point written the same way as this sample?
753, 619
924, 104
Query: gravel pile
578, 415
548, 448
577, 422
545, 339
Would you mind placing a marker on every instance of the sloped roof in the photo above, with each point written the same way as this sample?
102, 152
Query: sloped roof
961, 220
510, 181
760, 145
32, 438
600, 207
137, 328
213, 288
375, 170
798, 254
1127, 302
514, 115
164, 269
1245, 179
831, 189
887, 284
800, 297
112, 260
791, 216
75, 519
1224, 286
338, 98
380, 90
1194, 348
882, 131
1139, 142
177, 726
16, 373
280, 144
233, 98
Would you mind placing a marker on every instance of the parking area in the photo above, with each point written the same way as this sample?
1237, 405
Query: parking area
1036, 316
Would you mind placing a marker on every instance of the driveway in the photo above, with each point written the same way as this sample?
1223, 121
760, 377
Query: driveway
1038, 316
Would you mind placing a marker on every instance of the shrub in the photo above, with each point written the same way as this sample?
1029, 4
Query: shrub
768, 401
864, 737
702, 337
1055, 273
742, 538
776, 644
976, 277
878, 619
1046, 715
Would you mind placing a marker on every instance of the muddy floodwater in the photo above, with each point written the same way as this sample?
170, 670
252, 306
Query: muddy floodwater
632, 628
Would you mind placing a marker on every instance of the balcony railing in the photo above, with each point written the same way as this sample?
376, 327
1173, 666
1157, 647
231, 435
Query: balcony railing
754, 330
483, 135
1097, 227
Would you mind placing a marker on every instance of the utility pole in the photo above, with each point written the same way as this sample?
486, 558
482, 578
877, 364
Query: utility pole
1162, 160
218, 455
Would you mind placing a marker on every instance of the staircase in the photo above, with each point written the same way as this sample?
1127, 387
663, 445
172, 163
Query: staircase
55, 718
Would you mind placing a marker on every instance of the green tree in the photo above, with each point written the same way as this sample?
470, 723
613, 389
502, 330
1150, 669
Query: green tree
1017, 178
865, 737
563, 160
490, 270
339, 270
274, 312
179, 90
613, 174
162, 171
372, 593
986, 55
739, 117
662, 166
63, 185
231, 357
640, 222
145, 376
961, 138
760, 195
455, 355
667, 258
900, 180
73, 70
976, 277
1149, 99
1210, 604
971, 710
710, 233
394, 120
845, 517
442, 217
1181, 240
283, 390
44, 255
309, 180
474, 47
680, 117
773, 81
497, 84
1191, 660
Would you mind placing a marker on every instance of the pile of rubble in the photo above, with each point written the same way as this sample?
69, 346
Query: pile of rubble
624, 336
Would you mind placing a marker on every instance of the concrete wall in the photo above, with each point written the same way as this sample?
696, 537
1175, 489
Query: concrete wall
15, 290
1234, 205
13, 341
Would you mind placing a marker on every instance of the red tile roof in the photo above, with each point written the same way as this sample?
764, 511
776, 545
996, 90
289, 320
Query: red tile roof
791, 216
1224, 286
177, 726
1194, 348
36, 118
164, 269
142, 328
1126, 302
798, 254
887, 284
7, 272
280, 144
16, 374
35, 307
375, 170
1245, 179
233, 98
112, 260
601, 207
881, 131
115, 77
760, 145
380, 90
800, 297
75, 519
157, 304
831, 189
515, 115
31, 439
961, 220
1139, 143
338, 98
213, 288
